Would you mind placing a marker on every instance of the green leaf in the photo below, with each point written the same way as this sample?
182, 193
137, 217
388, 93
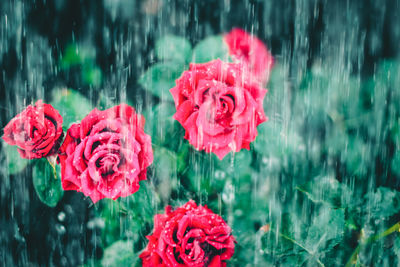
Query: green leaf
211, 48
383, 203
326, 231
354, 153
165, 163
276, 102
235, 164
14, 161
91, 74
77, 55
47, 182
304, 241
327, 190
71, 104
129, 217
160, 124
160, 78
275, 141
119, 253
174, 48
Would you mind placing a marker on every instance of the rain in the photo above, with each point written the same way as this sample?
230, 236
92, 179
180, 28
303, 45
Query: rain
319, 185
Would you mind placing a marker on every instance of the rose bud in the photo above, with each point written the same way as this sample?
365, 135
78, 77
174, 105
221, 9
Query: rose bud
36, 131
191, 235
220, 105
106, 154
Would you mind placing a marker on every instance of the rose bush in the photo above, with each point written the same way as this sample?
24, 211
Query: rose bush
250, 52
220, 105
191, 235
36, 131
106, 154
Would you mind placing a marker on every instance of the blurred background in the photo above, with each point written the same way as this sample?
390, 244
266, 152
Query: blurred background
321, 178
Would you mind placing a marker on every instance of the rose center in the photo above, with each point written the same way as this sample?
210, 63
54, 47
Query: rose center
108, 165
222, 107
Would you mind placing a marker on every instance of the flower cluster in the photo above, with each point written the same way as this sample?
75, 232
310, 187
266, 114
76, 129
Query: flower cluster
107, 153
103, 156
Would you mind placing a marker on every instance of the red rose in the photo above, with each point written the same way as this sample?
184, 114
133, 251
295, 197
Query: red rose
251, 51
189, 236
219, 106
36, 131
106, 155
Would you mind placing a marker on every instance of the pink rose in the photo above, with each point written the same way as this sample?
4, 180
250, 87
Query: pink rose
189, 236
250, 51
106, 155
36, 131
219, 105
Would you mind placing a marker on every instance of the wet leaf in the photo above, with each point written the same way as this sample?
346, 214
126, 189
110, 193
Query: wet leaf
174, 48
275, 141
71, 104
327, 190
160, 124
165, 164
299, 242
235, 163
383, 203
326, 231
130, 217
119, 253
14, 161
210, 48
160, 78
47, 182
91, 74
75, 54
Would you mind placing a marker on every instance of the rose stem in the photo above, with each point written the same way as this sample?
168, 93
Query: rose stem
392, 229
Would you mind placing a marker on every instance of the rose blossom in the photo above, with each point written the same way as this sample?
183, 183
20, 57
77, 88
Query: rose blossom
191, 235
250, 51
219, 105
36, 131
106, 154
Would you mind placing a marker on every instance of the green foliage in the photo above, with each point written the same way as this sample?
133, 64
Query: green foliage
75, 55
159, 78
161, 126
327, 190
130, 217
296, 242
119, 253
383, 203
47, 182
71, 104
83, 57
14, 161
210, 48
91, 74
173, 48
